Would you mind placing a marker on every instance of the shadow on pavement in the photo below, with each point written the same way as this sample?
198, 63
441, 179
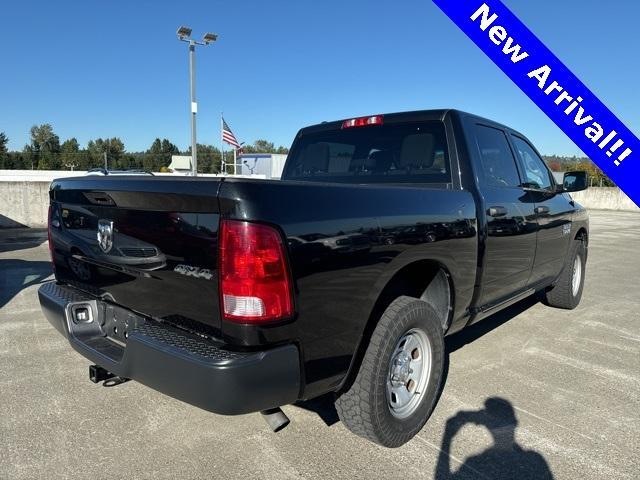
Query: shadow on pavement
325, 408
12, 239
505, 459
16, 275
473, 332
6, 222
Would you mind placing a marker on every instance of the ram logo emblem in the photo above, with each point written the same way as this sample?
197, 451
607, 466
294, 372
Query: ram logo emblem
105, 235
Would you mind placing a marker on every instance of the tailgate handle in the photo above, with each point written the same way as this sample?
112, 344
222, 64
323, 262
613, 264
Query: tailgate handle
99, 198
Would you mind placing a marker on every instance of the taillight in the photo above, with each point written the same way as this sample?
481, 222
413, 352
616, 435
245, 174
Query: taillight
363, 121
255, 285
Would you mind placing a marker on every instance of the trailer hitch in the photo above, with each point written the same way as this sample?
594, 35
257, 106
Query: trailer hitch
98, 374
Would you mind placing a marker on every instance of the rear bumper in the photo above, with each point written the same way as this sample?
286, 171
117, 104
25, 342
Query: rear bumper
181, 365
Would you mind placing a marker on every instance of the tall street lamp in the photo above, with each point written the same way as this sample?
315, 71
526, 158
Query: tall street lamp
184, 35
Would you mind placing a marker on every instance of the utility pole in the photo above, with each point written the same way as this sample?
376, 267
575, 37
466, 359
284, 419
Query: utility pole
184, 35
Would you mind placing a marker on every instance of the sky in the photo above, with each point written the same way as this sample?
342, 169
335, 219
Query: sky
116, 69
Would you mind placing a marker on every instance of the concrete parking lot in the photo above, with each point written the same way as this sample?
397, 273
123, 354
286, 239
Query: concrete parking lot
530, 393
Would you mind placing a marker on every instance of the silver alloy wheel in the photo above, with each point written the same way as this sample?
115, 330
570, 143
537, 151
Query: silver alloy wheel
409, 372
576, 279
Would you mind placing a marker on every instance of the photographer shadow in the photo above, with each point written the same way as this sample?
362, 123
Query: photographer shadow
505, 459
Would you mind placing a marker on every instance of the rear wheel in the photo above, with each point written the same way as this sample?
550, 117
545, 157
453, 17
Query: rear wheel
567, 292
399, 379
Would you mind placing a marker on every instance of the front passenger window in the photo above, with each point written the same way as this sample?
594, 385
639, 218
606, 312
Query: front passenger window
535, 171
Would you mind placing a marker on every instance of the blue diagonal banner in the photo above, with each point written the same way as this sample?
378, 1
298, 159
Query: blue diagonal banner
551, 86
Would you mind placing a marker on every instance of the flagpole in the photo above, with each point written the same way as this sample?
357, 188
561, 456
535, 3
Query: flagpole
222, 165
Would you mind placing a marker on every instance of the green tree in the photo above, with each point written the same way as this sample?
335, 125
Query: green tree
264, 146
559, 163
130, 161
29, 157
153, 158
15, 161
44, 151
159, 155
44, 148
168, 147
209, 158
70, 155
112, 147
3, 150
260, 146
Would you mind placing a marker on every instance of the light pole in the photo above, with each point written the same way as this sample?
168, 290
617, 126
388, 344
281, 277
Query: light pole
184, 35
106, 166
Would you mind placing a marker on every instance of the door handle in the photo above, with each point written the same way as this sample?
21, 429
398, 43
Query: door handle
497, 211
542, 210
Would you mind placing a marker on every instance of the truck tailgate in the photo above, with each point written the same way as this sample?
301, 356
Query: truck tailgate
148, 244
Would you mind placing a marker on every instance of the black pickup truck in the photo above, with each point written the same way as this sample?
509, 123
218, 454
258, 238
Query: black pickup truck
385, 234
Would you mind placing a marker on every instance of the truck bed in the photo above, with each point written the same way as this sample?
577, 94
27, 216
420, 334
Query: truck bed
344, 243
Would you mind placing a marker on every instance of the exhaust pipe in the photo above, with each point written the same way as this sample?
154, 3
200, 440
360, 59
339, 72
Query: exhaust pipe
275, 418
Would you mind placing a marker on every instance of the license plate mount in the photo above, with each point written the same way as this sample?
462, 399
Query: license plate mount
119, 323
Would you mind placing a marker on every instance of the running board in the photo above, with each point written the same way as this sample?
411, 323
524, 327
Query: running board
487, 310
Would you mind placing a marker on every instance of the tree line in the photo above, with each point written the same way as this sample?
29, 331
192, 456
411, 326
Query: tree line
46, 152
566, 164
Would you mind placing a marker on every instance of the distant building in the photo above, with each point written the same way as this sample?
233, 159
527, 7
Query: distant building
268, 164
180, 164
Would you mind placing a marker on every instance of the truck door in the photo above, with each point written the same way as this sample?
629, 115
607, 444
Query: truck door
510, 241
553, 213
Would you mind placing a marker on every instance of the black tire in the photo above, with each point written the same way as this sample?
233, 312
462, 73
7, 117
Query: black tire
562, 294
364, 407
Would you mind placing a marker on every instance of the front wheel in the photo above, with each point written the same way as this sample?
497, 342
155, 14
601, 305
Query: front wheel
399, 379
567, 292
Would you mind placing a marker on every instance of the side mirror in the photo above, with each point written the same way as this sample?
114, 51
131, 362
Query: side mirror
574, 181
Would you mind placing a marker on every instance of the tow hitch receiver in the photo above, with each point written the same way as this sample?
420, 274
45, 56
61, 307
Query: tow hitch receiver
98, 374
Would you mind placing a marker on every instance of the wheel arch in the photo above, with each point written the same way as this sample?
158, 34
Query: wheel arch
582, 234
428, 280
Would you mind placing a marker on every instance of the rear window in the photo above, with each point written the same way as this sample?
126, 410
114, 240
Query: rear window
406, 153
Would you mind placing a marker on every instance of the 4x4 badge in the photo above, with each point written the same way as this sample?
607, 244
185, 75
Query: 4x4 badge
105, 235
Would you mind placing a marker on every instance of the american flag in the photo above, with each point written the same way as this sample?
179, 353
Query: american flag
228, 136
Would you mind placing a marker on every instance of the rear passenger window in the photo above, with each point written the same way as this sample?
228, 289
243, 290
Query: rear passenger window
413, 152
498, 165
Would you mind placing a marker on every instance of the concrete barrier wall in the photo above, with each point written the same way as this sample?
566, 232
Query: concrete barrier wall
25, 203
605, 198
24, 196
37, 175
